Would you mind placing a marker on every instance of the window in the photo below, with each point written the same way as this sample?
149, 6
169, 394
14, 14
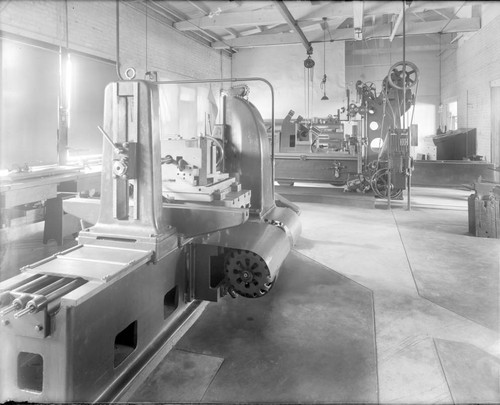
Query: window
28, 105
452, 116
89, 78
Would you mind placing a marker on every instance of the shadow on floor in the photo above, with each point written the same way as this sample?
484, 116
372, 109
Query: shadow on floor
311, 339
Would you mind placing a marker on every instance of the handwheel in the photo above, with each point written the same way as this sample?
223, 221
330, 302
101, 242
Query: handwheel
395, 75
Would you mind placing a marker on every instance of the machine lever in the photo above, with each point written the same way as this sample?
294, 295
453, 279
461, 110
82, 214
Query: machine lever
116, 148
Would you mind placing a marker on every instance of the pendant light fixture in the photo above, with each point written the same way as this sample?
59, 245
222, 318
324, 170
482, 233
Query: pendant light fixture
323, 81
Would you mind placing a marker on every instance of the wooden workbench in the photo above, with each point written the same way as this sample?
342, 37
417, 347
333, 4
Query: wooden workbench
50, 185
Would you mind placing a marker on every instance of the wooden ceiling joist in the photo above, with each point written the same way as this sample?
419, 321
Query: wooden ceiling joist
347, 34
278, 22
236, 19
357, 12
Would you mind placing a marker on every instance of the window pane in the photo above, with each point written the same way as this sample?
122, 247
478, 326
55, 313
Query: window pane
29, 87
89, 77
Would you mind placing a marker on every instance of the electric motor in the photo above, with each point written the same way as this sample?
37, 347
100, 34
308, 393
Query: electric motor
247, 273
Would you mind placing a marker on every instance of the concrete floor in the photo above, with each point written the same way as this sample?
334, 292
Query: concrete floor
311, 340
434, 285
374, 305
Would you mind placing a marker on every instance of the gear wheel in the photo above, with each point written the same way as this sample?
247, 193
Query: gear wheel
247, 273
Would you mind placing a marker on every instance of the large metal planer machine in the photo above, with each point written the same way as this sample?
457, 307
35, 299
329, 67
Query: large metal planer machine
185, 216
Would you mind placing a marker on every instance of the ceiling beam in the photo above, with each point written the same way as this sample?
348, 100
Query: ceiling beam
268, 15
437, 5
276, 30
232, 33
332, 8
409, 48
200, 6
357, 13
444, 13
382, 31
207, 12
371, 8
429, 27
236, 19
293, 24
396, 24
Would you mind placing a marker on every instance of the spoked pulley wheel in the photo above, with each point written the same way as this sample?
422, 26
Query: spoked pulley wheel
397, 78
247, 273
380, 184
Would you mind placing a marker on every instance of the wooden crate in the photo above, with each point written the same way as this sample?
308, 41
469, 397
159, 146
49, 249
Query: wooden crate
484, 216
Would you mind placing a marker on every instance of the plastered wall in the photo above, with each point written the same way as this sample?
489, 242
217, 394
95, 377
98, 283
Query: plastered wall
467, 73
283, 67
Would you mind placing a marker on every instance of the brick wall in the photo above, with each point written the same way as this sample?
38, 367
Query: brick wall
448, 69
466, 75
92, 29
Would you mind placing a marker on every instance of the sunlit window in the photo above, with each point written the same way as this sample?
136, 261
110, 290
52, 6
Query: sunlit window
452, 121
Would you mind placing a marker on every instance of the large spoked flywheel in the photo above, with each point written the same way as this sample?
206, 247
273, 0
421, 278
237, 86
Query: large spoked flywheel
381, 186
247, 273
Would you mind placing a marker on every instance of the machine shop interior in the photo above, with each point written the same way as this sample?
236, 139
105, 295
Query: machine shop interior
249, 201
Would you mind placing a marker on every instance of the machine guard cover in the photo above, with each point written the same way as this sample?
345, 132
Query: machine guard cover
269, 242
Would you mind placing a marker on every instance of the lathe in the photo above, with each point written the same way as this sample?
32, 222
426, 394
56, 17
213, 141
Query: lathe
317, 150
187, 213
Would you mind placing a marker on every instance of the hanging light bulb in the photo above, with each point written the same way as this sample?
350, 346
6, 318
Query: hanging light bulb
323, 81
